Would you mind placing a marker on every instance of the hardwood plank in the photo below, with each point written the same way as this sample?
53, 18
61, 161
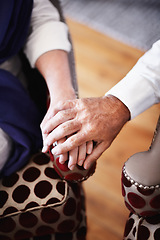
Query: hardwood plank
101, 62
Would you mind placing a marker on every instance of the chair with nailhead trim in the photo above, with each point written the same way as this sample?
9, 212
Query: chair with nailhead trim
141, 192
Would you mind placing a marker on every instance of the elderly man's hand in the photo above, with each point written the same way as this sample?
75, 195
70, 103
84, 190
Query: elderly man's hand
86, 120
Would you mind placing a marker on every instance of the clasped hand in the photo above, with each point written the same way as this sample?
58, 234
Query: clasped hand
90, 124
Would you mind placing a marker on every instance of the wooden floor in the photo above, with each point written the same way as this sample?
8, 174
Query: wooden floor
101, 62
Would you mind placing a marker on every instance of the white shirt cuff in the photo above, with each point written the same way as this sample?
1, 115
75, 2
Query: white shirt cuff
140, 89
135, 93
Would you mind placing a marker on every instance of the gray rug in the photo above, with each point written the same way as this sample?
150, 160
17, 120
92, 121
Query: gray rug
134, 22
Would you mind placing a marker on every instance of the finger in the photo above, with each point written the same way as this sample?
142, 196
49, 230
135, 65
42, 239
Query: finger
45, 148
62, 105
58, 119
81, 154
89, 147
72, 142
97, 152
45, 119
73, 154
63, 157
44, 136
65, 129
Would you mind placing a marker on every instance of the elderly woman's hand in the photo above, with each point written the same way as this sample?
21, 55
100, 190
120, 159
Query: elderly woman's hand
54, 67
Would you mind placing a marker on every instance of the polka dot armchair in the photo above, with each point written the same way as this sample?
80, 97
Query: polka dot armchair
141, 193
35, 202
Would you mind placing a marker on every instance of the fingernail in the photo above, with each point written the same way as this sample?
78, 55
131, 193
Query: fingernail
89, 151
80, 163
71, 167
86, 166
54, 152
44, 149
61, 161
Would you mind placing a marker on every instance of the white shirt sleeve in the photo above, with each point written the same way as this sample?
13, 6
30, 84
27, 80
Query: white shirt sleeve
140, 88
46, 31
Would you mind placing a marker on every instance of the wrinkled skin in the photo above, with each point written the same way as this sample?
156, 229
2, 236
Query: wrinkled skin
54, 67
88, 120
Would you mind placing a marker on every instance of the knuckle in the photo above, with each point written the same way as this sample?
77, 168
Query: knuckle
60, 104
64, 129
71, 104
60, 115
42, 124
71, 143
90, 128
82, 103
75, 124
83, 135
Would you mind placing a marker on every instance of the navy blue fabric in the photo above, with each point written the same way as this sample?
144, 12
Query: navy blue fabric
19, 118
14, 23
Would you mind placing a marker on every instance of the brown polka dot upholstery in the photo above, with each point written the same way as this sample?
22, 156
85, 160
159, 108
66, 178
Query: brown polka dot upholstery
144, 205
140, 228
143, 202
35, 202
139, 199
